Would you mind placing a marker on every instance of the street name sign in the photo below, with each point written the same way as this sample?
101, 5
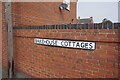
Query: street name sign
66, 43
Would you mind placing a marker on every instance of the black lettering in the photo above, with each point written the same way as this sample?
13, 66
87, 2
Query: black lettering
86, 45
55, 42
73, 44
47, 42
77, 45
62, 43
40, 41
69, 43
43, 41
90, 46
65, 43
51, 42
37, 41
82, 45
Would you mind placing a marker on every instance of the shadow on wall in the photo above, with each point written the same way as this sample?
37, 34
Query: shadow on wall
16, 75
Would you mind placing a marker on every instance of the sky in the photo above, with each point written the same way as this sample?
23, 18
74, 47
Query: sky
98, 0
98, 9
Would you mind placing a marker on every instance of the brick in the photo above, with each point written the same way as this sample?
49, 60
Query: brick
54, 62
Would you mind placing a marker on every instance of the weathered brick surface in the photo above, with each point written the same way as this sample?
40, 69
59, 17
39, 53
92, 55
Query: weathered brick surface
41, 13
48, 62
64, 62
4, 45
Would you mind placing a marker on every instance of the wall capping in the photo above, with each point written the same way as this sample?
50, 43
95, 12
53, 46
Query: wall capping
71, 26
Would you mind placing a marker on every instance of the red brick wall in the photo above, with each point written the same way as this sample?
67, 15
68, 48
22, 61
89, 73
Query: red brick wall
36, 13
45, 61
42, 13
4, 48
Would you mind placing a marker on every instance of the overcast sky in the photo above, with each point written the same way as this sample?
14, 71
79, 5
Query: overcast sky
98, 9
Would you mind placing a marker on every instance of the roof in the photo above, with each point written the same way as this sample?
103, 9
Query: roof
85, 21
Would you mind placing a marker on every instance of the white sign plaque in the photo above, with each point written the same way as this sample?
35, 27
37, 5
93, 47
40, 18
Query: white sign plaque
66, 43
